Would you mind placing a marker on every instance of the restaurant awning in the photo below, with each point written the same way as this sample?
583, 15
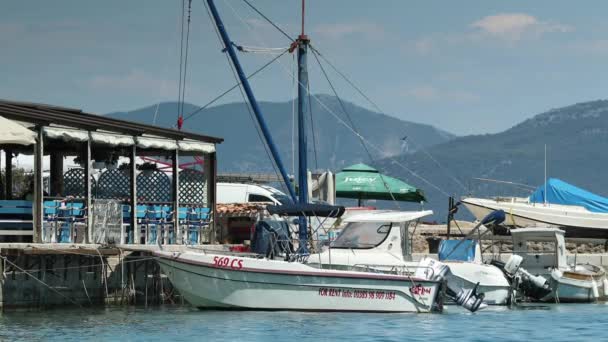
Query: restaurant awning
12, 132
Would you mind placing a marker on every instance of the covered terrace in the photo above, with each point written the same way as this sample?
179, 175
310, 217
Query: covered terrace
120, 188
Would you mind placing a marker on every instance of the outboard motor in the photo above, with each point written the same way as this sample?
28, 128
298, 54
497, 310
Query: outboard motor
530, 285
434, 270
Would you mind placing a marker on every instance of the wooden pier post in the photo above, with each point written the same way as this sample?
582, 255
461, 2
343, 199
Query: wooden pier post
8, 171
133, 179
178, 232
38, 187
88, 235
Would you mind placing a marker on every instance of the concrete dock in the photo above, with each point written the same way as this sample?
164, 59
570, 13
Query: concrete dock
43, 275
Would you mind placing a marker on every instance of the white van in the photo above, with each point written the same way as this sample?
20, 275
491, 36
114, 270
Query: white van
244, 193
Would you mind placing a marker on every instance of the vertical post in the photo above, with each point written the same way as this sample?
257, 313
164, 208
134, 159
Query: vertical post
178, 232
250, 96
133, 179
38, 187
8, 169
2, 180
56, 183
302, 143
545, 196
89, 192
211, 175
450, 214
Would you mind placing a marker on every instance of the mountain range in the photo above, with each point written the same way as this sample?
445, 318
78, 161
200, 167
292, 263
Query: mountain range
576, 138
331, 145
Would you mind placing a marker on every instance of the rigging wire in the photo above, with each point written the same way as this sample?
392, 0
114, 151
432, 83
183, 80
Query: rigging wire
337, 117
269, 21
246, 103
377, 107
293, 118
347, 114
312, 128
183, 99
181, 61
215, 99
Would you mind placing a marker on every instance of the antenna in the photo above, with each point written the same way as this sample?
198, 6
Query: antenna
545, 196
303, 11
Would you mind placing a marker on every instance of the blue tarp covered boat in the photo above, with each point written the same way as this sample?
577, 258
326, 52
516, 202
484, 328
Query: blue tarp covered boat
560, 192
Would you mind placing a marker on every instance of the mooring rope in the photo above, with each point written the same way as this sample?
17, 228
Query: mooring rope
41, 282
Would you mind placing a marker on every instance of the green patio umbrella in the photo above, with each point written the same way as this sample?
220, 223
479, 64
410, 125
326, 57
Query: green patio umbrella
362, 182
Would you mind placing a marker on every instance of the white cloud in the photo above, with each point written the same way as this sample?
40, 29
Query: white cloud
342, 30
516, 26
428, 93
135, 81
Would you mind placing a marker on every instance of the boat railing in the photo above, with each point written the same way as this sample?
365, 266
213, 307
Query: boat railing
395, 269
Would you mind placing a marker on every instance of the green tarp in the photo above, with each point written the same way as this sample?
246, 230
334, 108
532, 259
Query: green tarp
361, 181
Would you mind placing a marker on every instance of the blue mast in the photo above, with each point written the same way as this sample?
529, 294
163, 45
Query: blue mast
254, 104
302, 49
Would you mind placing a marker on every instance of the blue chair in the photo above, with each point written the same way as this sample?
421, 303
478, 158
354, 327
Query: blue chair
198, 219
50, 215
154, 220
68, 214
168, 223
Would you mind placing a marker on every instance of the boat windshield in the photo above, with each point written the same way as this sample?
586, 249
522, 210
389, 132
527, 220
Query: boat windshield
361, 235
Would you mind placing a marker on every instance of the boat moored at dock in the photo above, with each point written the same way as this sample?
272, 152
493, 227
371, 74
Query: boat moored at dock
219, 281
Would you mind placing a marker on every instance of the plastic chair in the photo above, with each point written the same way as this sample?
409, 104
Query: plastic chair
155, 220
198, 218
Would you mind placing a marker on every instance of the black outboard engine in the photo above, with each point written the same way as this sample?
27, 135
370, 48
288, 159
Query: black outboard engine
469, 299
533, 286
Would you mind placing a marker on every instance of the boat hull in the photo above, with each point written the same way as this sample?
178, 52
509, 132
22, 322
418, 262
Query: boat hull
259, 284
568, 287
491, 280
575, 221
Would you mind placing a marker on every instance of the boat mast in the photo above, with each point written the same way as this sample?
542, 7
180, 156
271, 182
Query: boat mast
301, 45
545, 197
252, 100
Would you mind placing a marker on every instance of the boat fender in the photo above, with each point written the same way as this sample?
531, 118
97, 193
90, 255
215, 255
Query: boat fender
605, 285
513, 264
595, 291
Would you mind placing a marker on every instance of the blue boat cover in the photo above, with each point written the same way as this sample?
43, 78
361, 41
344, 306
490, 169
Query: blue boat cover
560, 192
465, 251
271, 238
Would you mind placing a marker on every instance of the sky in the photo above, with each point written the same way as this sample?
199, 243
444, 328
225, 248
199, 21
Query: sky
468, 67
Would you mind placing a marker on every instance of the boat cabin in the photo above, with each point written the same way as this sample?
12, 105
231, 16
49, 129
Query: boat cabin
541, 248
95, 179
379, 238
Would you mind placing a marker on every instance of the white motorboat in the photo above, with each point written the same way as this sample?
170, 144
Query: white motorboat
543, 253
380, 240
219, 281
579, 212
222, 281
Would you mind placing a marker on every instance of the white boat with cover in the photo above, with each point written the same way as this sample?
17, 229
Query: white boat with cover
579, 212
542, 251
381, 241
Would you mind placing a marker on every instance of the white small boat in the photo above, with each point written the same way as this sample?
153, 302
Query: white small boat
577, 211
543, 251
379, 240
467, 271
219, 281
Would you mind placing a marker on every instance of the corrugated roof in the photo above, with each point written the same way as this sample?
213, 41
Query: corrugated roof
43, 114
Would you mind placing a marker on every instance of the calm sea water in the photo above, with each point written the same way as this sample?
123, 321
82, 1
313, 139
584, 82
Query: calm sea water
557, 323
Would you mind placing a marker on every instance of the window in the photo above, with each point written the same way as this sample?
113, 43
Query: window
362, 235
259, 198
